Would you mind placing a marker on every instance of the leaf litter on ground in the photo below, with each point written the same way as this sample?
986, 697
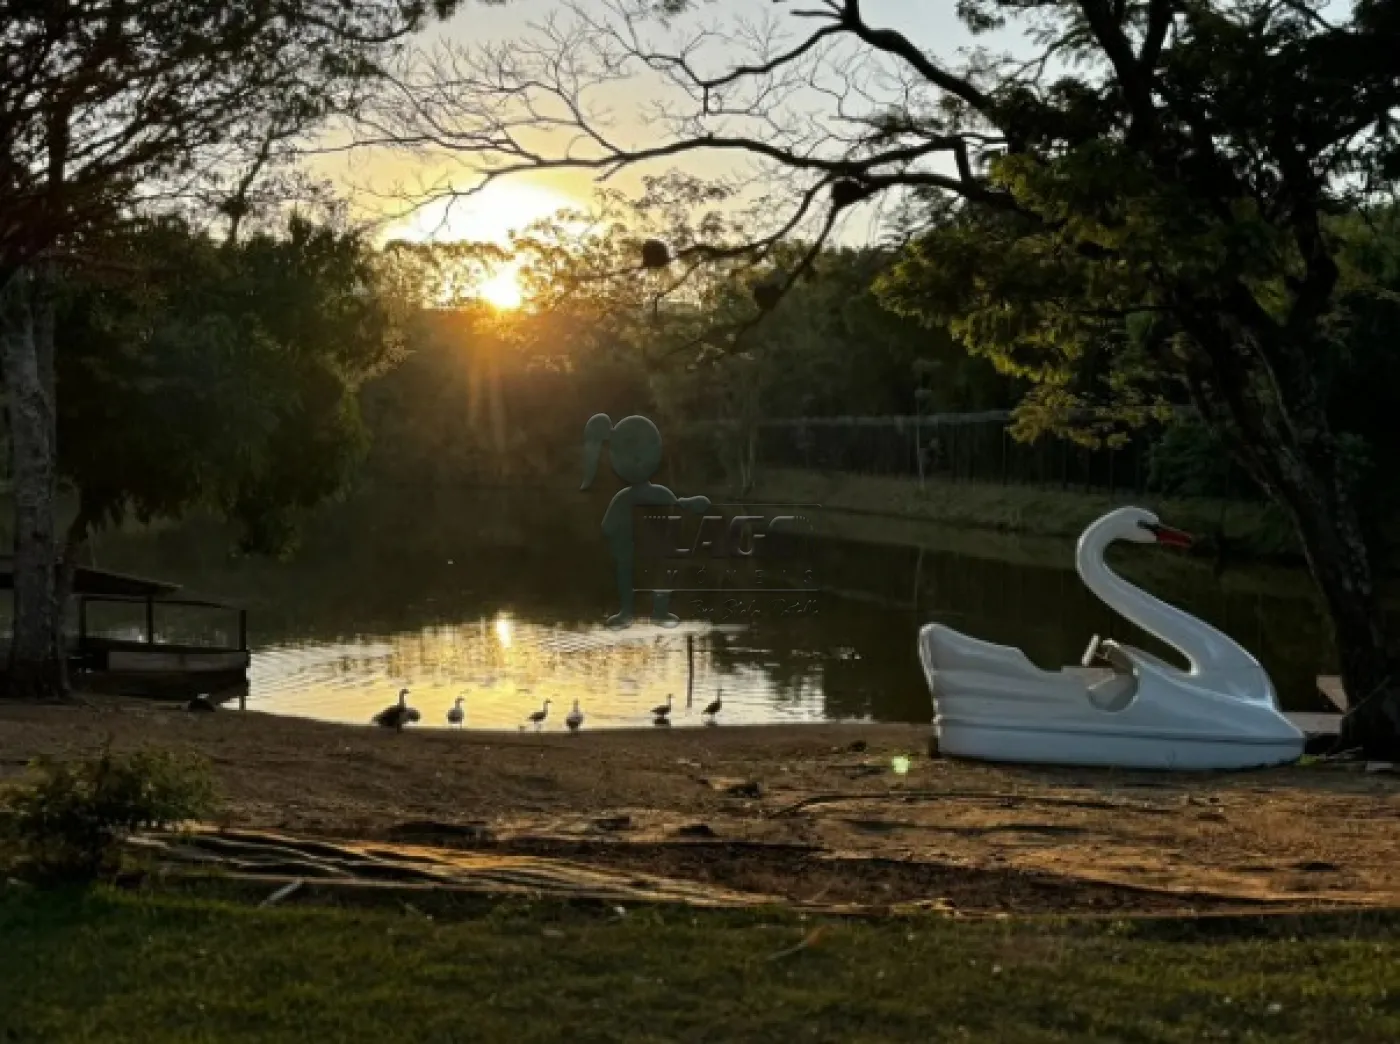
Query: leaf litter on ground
811, 939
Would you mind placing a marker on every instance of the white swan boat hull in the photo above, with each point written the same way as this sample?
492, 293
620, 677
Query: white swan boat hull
991, 702
1020, 713
1100, 748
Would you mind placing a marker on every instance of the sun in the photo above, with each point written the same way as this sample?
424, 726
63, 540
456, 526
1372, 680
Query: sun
499, 211
501, 290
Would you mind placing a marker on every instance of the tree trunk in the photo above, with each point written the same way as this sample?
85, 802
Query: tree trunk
1336, 553
1308, 481
37, 663
1262, 394
75, 542
1312, 490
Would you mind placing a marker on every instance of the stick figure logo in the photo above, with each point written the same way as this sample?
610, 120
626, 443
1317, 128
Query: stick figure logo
634, 450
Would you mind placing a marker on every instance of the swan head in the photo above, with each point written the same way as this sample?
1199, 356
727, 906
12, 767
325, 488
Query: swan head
403, 695
1138, 526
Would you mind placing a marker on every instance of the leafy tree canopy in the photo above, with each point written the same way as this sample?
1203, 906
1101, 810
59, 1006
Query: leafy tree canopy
1136, 209
194, 374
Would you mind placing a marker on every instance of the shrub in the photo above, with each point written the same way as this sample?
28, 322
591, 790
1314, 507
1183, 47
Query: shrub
70, 822
1188, 460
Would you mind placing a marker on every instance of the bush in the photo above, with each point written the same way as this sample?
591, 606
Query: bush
70, 822
1188, 460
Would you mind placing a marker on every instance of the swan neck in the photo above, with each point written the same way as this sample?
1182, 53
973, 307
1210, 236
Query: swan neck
1205, 648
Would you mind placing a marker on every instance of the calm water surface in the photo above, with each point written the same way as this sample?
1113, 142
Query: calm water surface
500, 598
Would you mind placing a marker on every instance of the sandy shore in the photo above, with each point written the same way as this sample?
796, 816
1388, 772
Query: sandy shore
797, 811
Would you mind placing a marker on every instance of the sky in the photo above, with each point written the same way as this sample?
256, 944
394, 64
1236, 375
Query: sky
513, 203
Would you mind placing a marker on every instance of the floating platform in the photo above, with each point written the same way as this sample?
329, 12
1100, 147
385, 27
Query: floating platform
148, 666
162, 670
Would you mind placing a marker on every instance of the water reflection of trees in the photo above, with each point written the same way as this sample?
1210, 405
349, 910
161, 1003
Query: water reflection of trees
862, 659
387, 564
381, 563
1048, 613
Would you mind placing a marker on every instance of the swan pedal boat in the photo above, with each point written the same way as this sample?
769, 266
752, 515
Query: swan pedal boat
992, 703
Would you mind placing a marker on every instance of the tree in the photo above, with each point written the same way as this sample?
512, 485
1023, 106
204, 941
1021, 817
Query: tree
1363, 379
830, 349
108, 107
199, 375
1145, 198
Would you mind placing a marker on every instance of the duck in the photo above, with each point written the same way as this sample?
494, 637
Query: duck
457, 714
537, 719
575, 718
664, 710
397, 715
714, 708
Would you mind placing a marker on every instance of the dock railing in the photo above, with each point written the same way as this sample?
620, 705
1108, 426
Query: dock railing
150, 603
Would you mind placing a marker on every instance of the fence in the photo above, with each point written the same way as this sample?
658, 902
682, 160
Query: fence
956, 447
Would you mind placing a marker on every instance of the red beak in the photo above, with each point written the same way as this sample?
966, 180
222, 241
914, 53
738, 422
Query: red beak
1170, 537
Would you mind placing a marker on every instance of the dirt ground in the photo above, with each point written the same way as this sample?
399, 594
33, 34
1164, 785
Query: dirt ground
806, 813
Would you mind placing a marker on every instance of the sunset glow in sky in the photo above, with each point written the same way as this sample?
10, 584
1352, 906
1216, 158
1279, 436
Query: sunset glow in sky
516, 201
500, 209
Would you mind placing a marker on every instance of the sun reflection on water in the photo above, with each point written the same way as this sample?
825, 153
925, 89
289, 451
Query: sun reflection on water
505, 668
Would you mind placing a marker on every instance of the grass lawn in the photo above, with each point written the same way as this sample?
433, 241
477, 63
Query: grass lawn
103, 966
1254, 528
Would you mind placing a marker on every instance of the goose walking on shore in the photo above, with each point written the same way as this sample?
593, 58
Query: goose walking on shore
537, 719
457, 714
397, 715
663, 711
714, 708
575, 718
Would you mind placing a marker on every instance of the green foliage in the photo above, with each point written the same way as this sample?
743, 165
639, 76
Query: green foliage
1189, 460
437, 275
1364, 375
129, 102
1078, 331
488, 396
1134, 263
830, 348
70, 821
194, 374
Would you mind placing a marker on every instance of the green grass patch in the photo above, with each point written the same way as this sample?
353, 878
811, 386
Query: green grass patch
111, 967
1253, 529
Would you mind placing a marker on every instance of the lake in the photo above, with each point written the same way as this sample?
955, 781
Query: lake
500, 597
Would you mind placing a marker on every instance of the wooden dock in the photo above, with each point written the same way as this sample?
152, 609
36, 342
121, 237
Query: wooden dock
148, 666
